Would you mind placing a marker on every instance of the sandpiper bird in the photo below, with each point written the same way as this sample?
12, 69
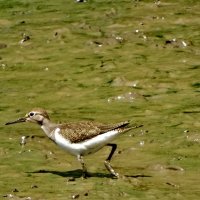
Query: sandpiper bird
79, 139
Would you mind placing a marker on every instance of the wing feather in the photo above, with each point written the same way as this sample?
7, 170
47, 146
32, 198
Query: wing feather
78, 132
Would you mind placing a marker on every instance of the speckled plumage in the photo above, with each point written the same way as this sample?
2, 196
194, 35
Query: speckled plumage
80, 131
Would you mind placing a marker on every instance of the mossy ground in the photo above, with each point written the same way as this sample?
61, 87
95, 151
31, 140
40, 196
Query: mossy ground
74, 55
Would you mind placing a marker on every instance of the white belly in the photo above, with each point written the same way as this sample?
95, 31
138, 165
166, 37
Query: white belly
86, 147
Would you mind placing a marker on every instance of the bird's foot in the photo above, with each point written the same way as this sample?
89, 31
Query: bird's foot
110, 169
85, 175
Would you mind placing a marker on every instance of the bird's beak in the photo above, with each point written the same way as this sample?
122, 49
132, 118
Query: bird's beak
20, 120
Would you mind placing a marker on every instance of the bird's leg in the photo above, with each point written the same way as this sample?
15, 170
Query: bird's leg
107, 161
84, 169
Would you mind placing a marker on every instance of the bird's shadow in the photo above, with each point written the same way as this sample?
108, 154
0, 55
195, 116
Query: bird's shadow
74, 173
78, 174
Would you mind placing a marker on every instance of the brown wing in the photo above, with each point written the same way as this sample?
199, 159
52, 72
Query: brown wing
110, 127
77, 132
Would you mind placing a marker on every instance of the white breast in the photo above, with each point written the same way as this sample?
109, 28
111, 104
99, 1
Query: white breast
86, 147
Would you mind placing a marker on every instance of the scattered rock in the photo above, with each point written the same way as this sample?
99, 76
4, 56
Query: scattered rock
122, 81
195, 137
86, 194
127, 97
22, 22
71, 179
172, 184
23, 141
25, 38
97, 43
50, 155
75, 196
34, 186
8, 195
106, 66
3, 66
119, 39
141, 143
177, 43
175, 168
15, 190
160, 167
81, 1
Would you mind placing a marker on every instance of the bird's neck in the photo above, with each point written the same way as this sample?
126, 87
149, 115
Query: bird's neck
48, 127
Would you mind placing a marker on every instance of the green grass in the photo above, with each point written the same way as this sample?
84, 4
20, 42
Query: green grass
75, 52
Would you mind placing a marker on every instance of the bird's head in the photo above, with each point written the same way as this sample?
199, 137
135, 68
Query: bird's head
37, 115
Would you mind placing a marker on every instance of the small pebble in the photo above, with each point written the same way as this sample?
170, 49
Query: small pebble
81, 1
25, 38
8, 195
184, 43
22, 22
141, 143
172, 184
175, 168
86, 194
34, 186
75, 196
71, 179
15, 190
23, 140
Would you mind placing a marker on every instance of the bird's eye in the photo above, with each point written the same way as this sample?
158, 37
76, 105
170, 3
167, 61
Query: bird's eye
31, 114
